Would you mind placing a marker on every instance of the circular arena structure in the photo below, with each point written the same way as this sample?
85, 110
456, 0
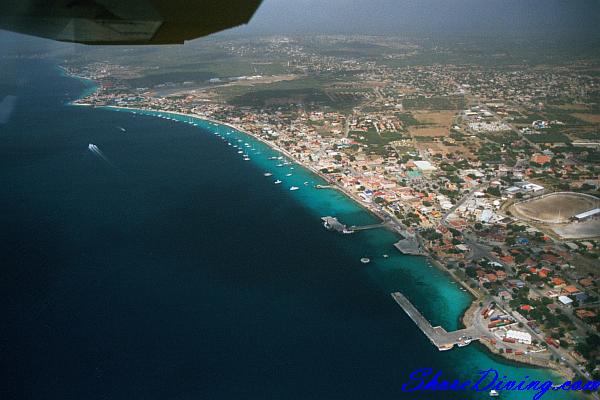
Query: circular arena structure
555, 208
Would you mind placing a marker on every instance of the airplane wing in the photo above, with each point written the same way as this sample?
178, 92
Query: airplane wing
124, 21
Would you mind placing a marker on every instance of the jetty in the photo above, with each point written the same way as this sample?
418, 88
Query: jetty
409, 246
333, 224
440, 338
318, 186
366, 227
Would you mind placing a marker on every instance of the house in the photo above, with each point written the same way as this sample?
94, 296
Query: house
583, 314
570, 290
541, 159
557, 282
580, 297
516, 283
505, 295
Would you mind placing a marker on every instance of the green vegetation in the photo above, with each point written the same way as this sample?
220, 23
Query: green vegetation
549, 138
408, 120
371, 137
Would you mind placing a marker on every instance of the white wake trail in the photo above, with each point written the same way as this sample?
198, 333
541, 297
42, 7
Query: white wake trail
98, 153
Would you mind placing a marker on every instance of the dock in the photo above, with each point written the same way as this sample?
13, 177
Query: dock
332, 224
440, 338
409, 246
366, 227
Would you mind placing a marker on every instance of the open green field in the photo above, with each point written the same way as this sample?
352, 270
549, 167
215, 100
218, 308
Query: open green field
371, 137
306, 90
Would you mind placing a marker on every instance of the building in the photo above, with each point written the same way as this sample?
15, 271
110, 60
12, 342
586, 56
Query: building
565, 300
520, 337
525, 188
593, 213
425, 166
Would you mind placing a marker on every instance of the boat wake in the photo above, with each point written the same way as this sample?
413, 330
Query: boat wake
98, 153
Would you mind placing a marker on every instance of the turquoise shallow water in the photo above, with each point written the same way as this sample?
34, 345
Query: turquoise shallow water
435, 294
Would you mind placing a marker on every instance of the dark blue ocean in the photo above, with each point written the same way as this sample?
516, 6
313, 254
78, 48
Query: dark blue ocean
173, 269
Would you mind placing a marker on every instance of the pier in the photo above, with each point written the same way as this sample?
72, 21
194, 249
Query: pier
365, 227
409, 247
333, 224
326, 187
440, 338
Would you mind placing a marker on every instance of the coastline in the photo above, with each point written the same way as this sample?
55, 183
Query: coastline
466, 316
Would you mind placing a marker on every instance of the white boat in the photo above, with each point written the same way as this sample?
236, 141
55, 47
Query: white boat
277, 182
246, 158
267, 174
280, 158
365, 260
240, 152
294, 188
494, 393
122, 129
280, 165
288, 174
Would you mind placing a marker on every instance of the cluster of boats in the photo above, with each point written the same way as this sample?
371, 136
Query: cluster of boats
243, 149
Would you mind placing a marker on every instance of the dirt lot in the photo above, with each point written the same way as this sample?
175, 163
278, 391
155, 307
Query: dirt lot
574, 107
435, 123
554, 208
582, 230
591, 118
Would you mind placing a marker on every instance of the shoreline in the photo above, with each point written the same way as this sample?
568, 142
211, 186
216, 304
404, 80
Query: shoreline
466, 315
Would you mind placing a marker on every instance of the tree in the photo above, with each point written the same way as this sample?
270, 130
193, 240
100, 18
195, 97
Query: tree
494, 191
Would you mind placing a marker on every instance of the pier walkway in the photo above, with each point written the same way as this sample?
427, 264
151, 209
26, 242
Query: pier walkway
332, 224
365, 227
442, 339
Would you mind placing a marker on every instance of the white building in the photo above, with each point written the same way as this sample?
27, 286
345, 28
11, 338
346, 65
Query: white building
425, 166
565, 300
520, 337
593, 213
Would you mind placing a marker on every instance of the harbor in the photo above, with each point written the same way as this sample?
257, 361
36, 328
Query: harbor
440, 338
